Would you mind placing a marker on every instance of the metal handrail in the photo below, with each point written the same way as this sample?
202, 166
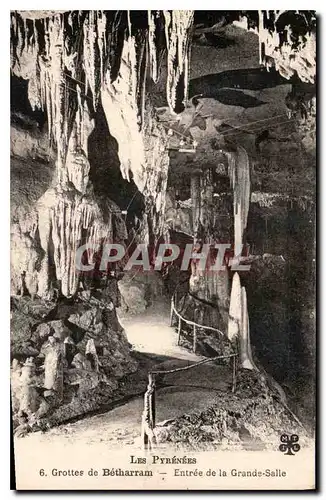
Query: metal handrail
149, 413
189, 322
148, 417
202, 362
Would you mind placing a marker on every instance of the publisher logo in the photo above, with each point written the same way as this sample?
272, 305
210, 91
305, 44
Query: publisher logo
289, 444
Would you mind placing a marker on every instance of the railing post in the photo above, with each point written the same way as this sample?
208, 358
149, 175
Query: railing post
234, 373
152, 400
194, 339
171, 312
148, 418
149, 413
179, 330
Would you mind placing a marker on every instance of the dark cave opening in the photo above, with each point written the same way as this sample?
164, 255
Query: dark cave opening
105, 173
20, 107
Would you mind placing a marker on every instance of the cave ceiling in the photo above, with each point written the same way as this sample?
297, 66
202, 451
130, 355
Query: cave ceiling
232, 98
166, 93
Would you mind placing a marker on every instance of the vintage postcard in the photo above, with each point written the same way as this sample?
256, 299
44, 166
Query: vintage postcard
163, 220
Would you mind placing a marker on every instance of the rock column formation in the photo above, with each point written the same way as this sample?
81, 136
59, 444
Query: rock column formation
110, 65
238, 324
211, 286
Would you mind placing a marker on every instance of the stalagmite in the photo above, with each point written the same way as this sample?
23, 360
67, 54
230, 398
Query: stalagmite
245, 348
238, 327
235, 311
15, 378
28, 394
53, 367
91, 354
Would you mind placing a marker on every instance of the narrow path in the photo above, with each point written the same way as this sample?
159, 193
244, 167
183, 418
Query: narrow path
150, 333
183, 392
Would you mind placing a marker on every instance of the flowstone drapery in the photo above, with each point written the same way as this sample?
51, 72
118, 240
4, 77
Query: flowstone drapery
280, 45
73, 61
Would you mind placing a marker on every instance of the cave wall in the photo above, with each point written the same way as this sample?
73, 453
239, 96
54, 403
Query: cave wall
107, 71
68, 357
83, 128
45, 217
281, 220
109, 138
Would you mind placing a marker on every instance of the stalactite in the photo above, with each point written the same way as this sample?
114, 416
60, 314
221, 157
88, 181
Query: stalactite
102, 42
51, 87
77, 157
177, 27
91, 53
48, 74
153, 57
66, 221
66, 79
57, 98
157, 163
288, 57
120, 107
142, 152
239, 173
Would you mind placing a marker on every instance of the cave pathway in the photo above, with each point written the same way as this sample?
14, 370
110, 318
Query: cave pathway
150, 332
179, 393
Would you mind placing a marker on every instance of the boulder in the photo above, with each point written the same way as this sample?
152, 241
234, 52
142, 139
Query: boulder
43, 331
21, 343
59, 330
139, 290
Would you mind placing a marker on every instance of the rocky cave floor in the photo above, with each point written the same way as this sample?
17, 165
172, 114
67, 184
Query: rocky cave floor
195, 410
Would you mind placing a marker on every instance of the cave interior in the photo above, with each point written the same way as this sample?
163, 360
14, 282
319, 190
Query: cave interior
181, 127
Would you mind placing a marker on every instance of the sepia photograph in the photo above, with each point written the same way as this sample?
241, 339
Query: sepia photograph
163, 249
